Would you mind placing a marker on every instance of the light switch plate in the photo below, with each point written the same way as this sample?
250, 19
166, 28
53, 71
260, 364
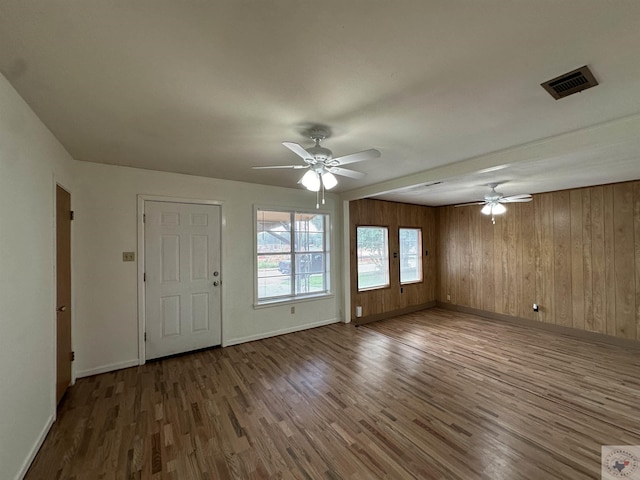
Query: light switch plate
128, 256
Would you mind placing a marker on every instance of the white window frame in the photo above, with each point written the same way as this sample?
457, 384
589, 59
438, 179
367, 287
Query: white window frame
293, 297
418, 256
388, 266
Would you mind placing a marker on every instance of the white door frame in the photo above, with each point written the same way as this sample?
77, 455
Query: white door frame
141, 256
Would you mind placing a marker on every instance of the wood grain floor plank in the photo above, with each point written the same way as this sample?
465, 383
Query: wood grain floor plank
429, 395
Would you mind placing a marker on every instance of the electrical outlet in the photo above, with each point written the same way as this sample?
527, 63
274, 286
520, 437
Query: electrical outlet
293, 310
448, 297
128, 256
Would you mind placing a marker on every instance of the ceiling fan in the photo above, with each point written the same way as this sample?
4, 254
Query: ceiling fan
493, 202
320, 163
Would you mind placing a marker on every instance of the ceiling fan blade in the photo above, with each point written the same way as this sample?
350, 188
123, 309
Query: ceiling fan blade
295, 167
522, 195
517, 198
470, 203
345, 172
298, 150
358, 156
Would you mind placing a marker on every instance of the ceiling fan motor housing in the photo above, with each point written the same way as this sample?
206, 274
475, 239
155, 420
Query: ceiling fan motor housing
321, 154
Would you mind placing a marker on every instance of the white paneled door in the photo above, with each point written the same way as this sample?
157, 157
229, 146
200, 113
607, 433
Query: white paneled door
183, 281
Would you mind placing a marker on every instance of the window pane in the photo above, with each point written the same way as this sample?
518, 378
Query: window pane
309, 263
410, 255
309, 232
274, 231
310, 283
292, 254
373, 257
274, 275
310, 273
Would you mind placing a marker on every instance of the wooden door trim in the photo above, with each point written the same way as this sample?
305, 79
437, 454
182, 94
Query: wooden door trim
56, 185
141, 250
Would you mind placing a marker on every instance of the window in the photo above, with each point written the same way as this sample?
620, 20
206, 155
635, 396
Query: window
410, 255
373, 257
292, 255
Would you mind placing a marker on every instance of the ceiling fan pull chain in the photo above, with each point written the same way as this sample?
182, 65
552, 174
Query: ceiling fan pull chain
318, 199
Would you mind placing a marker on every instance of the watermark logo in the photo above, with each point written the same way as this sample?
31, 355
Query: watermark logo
621, 461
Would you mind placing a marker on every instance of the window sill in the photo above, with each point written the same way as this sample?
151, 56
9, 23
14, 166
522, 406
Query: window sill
369, 289
291, 300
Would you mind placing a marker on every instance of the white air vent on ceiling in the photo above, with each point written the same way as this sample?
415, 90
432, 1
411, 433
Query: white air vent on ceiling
570, 83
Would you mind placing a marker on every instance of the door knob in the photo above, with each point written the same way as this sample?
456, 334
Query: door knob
215, 274
216, 283
63, 308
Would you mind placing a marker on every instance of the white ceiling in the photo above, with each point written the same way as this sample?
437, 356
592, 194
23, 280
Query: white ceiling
211, 88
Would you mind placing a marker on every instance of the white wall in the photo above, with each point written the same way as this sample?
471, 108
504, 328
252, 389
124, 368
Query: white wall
105, 225
31, 161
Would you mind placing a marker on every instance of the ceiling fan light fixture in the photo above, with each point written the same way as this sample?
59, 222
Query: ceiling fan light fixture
329, 180
493, 202
493, 209
311, 181
498, 209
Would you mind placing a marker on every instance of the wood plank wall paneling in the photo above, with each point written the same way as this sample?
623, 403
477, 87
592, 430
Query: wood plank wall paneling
442, 287
546, 278
463, 257
487, 289
575, 252
528, 278
609, 258
624, 261
636, 227
598, 271
498, 277
475, 262
577, 264
562, 257
587, 260
368, 212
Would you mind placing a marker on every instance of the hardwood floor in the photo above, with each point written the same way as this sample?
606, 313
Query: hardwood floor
429, 395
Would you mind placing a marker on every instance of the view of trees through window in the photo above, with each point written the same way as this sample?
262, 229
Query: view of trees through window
292, 254
410, 255
373, 257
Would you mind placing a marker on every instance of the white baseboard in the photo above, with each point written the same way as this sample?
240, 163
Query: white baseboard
36, 447
297, 328
107, 368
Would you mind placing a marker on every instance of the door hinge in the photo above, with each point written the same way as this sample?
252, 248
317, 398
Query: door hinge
145, 336
144, 277
72, 356
144, 218
71, 214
